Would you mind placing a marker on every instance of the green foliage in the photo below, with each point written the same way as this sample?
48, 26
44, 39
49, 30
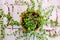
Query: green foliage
54, 35
31, 21
9, 17
56, 23
41, 35
12, 22
33, 5
49, 11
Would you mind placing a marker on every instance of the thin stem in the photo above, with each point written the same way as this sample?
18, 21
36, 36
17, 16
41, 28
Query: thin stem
39, 6
33, 5
56, 18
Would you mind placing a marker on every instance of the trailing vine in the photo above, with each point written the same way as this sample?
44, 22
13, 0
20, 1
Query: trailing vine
2, 25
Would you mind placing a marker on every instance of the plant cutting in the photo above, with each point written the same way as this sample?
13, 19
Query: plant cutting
33, 19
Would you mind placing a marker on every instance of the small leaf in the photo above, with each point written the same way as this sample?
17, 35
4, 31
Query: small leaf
9, 17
